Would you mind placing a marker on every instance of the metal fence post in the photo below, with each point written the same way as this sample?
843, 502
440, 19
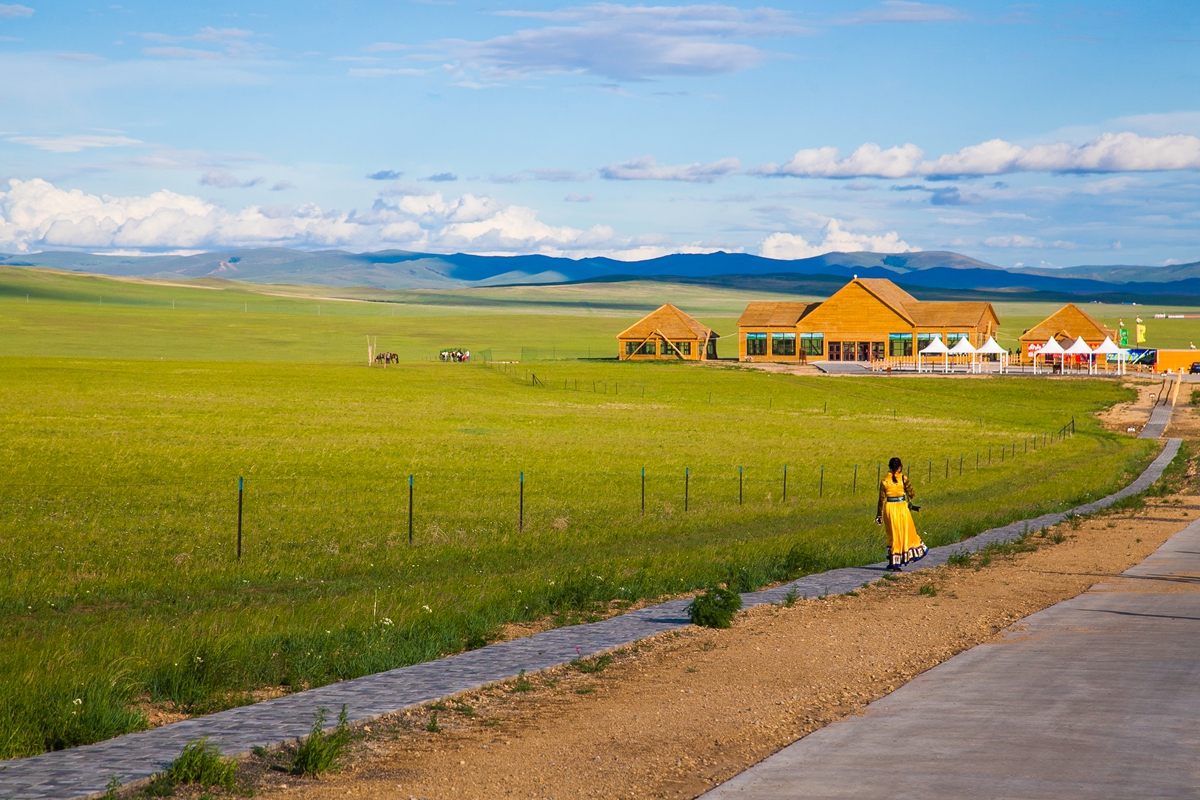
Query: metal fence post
410, 509
785, 483
643, 491
521, 512
239, 539
739, 486
687, 475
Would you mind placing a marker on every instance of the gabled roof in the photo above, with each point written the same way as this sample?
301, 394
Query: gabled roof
890, 295
774, 315
1069, 322
949, 314
670, 322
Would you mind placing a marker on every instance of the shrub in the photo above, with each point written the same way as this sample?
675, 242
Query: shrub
791, 597
959, 558
929, 590
715, 607
593, 666
320, 750
201, 763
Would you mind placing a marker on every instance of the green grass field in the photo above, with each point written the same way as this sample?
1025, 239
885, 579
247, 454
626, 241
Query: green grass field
118, 513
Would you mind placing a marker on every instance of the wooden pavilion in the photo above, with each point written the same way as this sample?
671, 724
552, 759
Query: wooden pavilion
1066, 325
868, 319
667, 333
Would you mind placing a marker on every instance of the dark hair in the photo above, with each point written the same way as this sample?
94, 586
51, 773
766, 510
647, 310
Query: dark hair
894, 465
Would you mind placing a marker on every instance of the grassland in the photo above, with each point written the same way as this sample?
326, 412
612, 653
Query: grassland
118, 515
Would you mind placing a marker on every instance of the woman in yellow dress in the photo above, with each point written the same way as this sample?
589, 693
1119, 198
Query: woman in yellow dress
903, 543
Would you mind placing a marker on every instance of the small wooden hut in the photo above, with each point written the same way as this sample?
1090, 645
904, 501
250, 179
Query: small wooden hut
1066, 325
667, 333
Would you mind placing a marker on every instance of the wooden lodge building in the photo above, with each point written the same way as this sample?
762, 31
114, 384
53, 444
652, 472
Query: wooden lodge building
1066, 325
868, 319
667, 333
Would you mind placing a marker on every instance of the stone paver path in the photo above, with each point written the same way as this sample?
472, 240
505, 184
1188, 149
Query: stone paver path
84, 771
1096, 697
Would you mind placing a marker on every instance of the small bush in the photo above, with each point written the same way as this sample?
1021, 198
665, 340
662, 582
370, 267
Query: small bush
111, 788
959, 558
593, 666
320, 750
432, 726
929, 590
791, 597
201, 763
522, 684
715, 608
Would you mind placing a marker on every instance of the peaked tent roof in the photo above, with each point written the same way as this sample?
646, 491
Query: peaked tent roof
670, 322
936, 347
962, 347
1107, 348
1052, 348
774, 315
1070, 321
1079, 348
990, 347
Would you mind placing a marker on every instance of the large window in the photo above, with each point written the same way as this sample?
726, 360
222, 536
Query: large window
677, 348
645, 349
900, 344
712, 348
756, 344
953, 338
923, 340
783, 344
812, 344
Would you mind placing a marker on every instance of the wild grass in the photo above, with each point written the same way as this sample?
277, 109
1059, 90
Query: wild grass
202, 764
119, 587
317, 754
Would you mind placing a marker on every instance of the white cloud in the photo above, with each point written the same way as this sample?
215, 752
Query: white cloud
869, 160
11, 11
1109, 152
222, 179
233, 41
789, 246
902, 11
1025, 242
38, 215
628, 42
647, 169
74, 144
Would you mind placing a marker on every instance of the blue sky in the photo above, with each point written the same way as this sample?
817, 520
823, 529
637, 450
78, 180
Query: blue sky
1018, 133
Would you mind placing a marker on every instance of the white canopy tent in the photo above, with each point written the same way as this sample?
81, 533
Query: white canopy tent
963, 347
1109, 348
1050, 348
935, 348
1080, 348
991, 348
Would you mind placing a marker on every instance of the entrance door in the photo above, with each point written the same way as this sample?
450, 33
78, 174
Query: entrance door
864, 351
835, 351
849, 350
877, 351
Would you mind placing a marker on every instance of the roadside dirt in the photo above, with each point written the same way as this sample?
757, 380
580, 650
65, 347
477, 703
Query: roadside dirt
677, 714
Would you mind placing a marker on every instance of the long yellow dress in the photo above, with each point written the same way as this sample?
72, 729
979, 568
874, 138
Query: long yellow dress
904, 544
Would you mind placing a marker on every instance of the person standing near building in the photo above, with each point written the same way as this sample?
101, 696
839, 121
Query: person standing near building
904, 545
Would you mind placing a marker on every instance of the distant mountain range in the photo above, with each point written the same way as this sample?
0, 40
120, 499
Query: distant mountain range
933, 271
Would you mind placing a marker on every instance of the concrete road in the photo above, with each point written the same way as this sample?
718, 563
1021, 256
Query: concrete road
1096, 697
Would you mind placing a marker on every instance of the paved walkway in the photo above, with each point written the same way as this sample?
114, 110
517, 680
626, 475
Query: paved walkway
84, 771
1096, 697
1160, 417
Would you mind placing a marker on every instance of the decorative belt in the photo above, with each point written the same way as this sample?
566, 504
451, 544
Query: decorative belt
899, 499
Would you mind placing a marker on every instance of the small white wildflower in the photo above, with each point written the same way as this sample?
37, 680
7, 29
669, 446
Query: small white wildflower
386, 622
199, 660
78, 701
427, 608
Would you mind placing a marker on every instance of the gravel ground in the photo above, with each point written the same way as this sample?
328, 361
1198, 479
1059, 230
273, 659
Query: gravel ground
675, 715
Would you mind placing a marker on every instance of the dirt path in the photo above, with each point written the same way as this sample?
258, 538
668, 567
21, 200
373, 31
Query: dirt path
673, 716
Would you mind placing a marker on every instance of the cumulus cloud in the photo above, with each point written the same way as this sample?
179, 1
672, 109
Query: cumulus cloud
74, 144
222, 179
1109, 152
11, 11
787, 246
869, 160
38, 215
628, 42
647, 168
